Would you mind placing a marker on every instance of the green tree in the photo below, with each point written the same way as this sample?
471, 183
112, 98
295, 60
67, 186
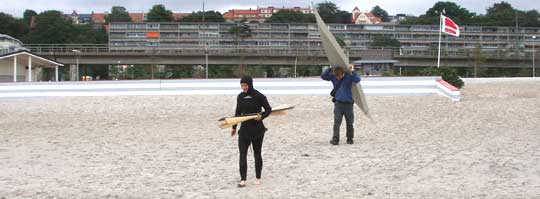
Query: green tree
118, 14
328, 11
380, 41
500, 14
13, 27
290, 16
379, 12
28, 14
159, 13
51, 27
432, 16
88, 34
478, 58
531, 19
240, 32
340, 41
209, 16
448, 74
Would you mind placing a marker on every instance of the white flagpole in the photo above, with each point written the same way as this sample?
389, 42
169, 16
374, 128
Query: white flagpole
440, 35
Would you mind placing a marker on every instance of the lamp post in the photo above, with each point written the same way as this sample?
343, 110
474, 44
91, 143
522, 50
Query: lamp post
77, 58
533, 58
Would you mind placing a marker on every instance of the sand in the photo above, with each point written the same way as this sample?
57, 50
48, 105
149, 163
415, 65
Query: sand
486, 146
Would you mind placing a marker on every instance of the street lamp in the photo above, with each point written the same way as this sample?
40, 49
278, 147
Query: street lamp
534, 54
78, 54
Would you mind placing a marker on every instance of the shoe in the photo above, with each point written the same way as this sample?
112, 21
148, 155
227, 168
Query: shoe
242, 184
334, 142
350, 141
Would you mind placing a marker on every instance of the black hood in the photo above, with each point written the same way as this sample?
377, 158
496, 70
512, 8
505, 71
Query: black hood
249, 81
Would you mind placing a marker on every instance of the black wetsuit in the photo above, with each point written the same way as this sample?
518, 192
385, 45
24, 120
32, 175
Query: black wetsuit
252, 131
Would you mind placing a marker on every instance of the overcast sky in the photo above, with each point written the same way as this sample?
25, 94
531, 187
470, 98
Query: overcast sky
416, 7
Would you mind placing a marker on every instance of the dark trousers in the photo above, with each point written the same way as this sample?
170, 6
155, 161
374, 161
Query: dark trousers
340, 110
243, 145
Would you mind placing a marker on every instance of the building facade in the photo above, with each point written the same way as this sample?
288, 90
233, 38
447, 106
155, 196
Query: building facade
306, 36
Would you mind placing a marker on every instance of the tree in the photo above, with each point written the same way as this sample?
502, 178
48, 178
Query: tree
16, 28
328, 11
379, 12
500, 14
290, 16
240, 32
340, 41
27, 16
448, 74
532, 19
159, 13
478, 58
51, 27
380, 41
209, 16
88, 34
118, 14
344, 17
459, 14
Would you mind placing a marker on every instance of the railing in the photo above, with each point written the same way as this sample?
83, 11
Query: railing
105, 49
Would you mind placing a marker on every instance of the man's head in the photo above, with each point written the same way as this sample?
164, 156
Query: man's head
246, 83
339, 72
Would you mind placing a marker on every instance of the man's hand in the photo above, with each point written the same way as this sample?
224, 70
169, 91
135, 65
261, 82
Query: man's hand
233, 132
259, 117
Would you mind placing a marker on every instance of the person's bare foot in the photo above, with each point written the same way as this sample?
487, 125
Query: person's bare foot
257, 182
242, 183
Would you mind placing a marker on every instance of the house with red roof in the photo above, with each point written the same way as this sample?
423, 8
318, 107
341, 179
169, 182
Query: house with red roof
359, 17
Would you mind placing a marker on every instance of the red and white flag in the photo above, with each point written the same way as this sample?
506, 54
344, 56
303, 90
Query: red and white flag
449, 26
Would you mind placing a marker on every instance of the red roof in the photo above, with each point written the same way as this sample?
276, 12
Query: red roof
177, 16
137, 17
98, 17
374, 19
233, 13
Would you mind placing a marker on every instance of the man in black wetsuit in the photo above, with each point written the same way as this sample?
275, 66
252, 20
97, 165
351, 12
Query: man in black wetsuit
250, 101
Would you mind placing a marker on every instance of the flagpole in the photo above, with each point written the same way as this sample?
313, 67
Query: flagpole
440, 35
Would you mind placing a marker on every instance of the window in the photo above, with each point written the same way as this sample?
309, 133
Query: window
169, 26
337, 27
136, 26
152, 26
119, 26
136, 34
188, 26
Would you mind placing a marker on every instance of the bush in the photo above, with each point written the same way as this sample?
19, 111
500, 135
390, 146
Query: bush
448, 74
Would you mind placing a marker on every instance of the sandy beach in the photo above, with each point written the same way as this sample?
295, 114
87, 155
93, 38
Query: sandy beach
486, 146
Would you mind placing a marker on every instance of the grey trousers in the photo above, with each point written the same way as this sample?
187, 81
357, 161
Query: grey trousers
340, 110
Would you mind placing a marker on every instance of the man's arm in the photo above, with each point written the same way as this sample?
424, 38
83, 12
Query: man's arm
327, 75
237, 112
266, 106
354, 76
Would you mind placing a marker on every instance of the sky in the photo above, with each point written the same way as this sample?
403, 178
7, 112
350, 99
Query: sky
415, 7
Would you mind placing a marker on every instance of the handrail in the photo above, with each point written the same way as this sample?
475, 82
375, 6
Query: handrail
103, 49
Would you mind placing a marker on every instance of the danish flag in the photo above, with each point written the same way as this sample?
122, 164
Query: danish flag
449, 26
